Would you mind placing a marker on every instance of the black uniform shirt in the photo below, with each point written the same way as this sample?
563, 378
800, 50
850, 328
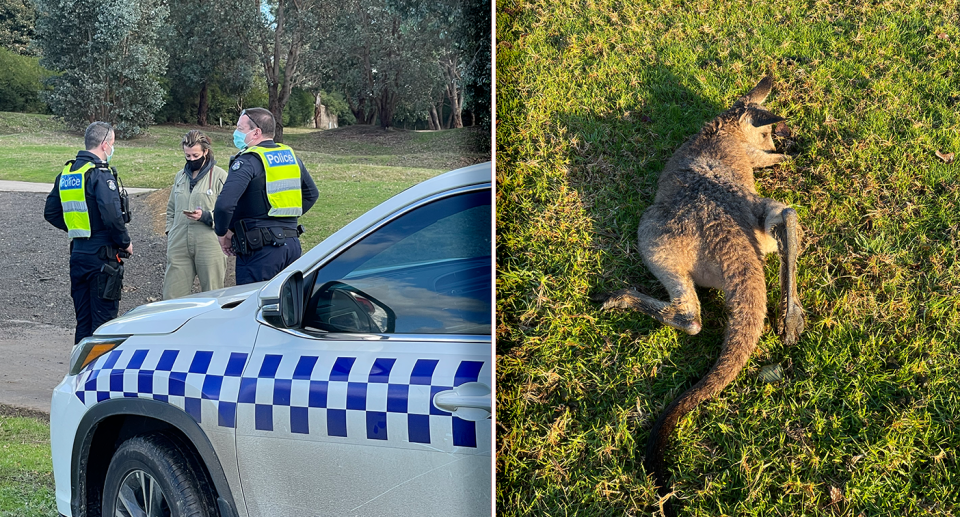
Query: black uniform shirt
103, 207
244, 195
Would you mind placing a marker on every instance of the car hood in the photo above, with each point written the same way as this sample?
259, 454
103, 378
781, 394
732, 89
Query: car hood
168, 315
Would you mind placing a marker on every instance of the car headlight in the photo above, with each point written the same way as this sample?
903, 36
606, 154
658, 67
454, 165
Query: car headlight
90, 348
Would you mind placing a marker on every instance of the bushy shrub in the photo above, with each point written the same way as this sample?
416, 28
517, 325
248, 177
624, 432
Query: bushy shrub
21, 79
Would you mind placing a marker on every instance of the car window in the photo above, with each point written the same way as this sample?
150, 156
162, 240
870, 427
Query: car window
426, 272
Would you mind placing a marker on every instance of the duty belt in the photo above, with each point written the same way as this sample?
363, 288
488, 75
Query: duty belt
248, 240
274, 232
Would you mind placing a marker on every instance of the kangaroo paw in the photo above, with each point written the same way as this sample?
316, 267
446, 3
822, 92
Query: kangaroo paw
791, 323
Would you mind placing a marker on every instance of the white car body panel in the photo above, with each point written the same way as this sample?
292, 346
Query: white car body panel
382, 447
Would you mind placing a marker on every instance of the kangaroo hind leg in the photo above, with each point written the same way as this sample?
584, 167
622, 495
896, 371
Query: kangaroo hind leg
782, 224
681, 312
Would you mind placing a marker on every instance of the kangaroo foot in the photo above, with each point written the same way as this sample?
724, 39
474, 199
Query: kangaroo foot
622, 299
791, 323
668, 314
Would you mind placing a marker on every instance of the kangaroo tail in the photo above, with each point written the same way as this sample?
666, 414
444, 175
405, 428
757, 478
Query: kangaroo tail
745, 295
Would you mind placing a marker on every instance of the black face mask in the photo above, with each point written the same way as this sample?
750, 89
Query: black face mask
195, 165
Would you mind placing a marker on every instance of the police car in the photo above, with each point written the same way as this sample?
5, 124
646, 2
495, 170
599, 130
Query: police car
355, 382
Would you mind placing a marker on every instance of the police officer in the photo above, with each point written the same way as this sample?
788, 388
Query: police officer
266, 190
85, 203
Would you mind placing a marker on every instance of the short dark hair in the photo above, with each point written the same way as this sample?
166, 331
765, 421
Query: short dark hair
197, 137
263, 119
96, 134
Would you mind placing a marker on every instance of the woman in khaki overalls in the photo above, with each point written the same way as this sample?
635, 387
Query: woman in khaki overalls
192, 246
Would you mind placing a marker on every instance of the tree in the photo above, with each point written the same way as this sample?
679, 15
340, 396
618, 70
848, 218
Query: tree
276, 32
477, 31
408, 56
462, 29
453, 54
204, 53
383, 58
108, 59
16, 25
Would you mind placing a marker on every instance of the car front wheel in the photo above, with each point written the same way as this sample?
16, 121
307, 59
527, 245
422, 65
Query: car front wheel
151, 476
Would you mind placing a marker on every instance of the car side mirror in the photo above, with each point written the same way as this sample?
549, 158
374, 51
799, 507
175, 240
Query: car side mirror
288, 311
344, 308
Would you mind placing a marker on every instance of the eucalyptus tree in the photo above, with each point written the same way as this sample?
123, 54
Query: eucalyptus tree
205, 52
108, 59
477, 31
276, 33
412, 55
462, 31
443, 20
382, 58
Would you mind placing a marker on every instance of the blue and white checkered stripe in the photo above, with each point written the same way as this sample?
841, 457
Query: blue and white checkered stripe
374, 399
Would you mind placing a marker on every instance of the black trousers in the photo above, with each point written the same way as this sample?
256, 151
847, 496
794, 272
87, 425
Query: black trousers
267, 261
92, 311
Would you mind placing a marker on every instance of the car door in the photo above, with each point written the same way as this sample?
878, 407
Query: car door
380, 403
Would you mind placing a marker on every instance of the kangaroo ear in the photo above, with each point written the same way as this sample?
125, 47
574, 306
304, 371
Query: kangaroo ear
758, 117
759, 92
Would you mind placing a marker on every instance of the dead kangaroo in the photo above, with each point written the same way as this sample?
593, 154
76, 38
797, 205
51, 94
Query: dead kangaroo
707, 226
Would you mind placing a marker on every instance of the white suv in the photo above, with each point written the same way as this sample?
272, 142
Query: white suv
355, 382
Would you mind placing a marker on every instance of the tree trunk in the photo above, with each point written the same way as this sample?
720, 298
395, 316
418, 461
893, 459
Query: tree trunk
356, 108
203, 106
277, 111
434, 120
386, 105
455, 119
451, 73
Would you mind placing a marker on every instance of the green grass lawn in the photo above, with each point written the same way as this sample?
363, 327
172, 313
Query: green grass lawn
593, 98
26, 471
355, 167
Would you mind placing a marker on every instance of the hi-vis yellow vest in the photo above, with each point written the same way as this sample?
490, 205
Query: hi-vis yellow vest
74, 200
283, 180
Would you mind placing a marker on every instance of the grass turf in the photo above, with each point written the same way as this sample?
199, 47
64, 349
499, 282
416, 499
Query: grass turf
593, 98
26, 470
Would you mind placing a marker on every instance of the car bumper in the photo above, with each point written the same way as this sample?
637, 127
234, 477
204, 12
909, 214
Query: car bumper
66, 411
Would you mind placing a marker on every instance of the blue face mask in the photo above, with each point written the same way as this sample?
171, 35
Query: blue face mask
112, 149
239, 139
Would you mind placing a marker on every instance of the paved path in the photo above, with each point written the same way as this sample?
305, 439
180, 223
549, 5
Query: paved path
23, 186
36, 358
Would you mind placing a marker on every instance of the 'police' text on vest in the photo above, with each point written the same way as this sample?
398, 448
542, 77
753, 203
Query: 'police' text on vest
70, 181
281, 157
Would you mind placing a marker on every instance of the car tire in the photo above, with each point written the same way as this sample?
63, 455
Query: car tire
152, 475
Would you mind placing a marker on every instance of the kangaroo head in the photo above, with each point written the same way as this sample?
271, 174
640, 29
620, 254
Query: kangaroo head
755, 125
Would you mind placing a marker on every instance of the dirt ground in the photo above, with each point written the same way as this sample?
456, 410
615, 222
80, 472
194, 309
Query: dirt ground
36, 311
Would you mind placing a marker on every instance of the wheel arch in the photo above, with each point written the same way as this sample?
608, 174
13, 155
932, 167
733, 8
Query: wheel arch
108, 423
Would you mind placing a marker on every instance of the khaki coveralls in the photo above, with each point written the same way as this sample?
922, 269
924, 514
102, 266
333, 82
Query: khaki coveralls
192, 246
